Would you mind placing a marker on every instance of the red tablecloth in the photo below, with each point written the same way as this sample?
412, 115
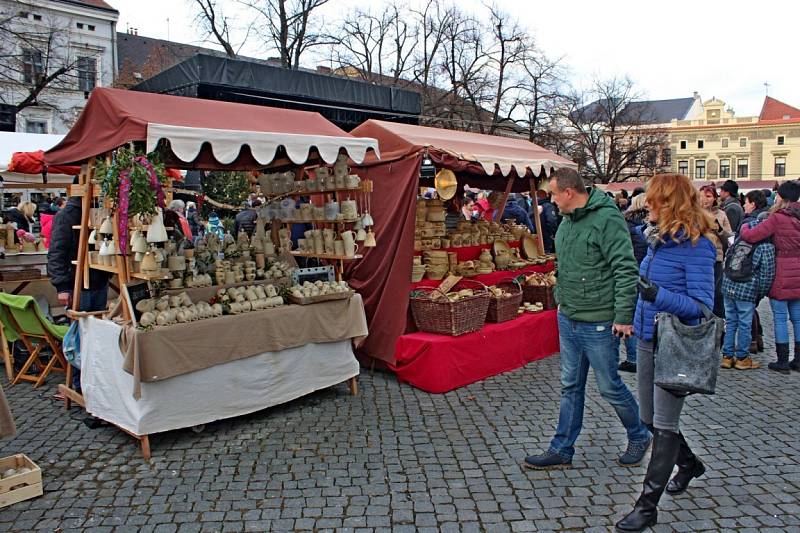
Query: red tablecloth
439, 363
490, 279
471, 253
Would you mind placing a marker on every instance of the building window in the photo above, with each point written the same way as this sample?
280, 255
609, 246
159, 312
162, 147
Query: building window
87, 73
683, 168
35, 126
780, 166
700, 144
91, 27
31, 65
742, 142
37, 17
781, 140
700, 169
79, 25
683, 145
666, 157
724, 143
725, 168
742, 168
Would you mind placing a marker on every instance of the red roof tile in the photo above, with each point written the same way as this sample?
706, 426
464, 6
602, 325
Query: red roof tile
100, 4
776, 110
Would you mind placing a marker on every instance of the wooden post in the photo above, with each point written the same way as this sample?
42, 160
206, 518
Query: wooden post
503, 203
7, 355
537, 220
81, 267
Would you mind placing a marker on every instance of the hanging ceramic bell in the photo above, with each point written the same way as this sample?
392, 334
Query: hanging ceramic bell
369, 241
156, 232
139, 243
149, 263
107, 248
361, 234
93, 237
138, 256
366, 220
106, 228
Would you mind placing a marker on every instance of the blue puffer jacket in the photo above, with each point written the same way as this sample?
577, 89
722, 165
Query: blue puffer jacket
682, 272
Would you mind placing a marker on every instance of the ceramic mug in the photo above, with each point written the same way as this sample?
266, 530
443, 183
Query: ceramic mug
341, 170
322, 172
331, 210
301, 245
339, 248
349, 209
350, 248
312, 185
353, 181
340, 181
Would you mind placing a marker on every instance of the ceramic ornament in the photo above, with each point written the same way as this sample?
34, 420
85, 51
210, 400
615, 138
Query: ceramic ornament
156, 232
106, 228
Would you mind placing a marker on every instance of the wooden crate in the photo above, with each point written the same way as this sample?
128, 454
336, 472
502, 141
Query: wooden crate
25, 486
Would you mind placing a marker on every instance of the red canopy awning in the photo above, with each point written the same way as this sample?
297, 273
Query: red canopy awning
204, 134
33, 163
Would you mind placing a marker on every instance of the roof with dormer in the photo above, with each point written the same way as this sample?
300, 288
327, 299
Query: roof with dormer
774, 111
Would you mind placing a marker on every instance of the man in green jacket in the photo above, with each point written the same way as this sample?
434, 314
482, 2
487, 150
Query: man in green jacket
596, 296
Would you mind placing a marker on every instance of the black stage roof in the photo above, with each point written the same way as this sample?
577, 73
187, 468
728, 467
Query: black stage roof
345, 102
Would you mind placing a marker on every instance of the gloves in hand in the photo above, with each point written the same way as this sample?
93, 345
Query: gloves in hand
648, 291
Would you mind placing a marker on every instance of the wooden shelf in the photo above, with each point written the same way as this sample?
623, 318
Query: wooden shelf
327, 256
317, 221
105, 268
150, 277
326, 191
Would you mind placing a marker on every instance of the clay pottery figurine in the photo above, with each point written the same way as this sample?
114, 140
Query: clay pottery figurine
369, 241
361, 234
149, 264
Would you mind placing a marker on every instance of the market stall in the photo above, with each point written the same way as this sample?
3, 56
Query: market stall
228, 324
425, 251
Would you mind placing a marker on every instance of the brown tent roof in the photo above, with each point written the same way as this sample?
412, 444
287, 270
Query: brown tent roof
203, 133
483, 154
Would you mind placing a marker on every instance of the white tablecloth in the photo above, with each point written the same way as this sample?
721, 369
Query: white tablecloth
223, 391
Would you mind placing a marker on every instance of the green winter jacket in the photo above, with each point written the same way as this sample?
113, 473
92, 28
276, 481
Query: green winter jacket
597, 271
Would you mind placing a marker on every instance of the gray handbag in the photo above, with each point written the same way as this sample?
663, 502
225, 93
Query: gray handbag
687, 358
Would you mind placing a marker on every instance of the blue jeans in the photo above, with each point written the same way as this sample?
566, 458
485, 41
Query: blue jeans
782, 312
585, 344
738, 328
630, 348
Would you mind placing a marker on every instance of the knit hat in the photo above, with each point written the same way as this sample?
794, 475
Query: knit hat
731, 187
789, 190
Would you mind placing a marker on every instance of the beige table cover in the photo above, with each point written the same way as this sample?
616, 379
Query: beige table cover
164, 352
7, 428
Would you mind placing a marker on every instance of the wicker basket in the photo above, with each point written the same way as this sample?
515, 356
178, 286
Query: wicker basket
451, 318
539, 293
505, 309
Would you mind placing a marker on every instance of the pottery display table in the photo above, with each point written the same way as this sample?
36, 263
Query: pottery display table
231, 388
491, 279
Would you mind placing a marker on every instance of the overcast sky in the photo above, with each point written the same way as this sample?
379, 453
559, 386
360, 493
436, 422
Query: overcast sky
719, 48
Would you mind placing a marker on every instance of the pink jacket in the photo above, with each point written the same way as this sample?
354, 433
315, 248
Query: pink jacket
46, 222
784, 228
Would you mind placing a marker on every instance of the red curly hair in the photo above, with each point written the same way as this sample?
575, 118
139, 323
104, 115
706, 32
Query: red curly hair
677, 203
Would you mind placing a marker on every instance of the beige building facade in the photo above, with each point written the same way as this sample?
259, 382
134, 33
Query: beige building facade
716, 145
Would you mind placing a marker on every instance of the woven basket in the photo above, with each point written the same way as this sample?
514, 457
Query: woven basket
539, 293
505, 309
451, 318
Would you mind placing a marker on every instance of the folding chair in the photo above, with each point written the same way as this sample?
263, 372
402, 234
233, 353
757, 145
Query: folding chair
26, 322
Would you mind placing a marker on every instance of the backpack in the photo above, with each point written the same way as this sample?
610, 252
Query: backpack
739, 261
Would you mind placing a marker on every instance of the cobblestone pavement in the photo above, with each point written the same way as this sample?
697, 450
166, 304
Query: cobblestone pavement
395, 458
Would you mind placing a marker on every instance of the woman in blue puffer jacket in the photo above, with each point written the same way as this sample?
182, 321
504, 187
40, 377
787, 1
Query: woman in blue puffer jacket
677, 273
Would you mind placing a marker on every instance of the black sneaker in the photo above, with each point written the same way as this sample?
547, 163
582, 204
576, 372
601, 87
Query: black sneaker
627, 366
635, 453
546, 461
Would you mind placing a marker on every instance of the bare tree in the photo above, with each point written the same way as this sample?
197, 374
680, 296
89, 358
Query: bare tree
540, 97
612, 133
37, 60
288, 26
214, 23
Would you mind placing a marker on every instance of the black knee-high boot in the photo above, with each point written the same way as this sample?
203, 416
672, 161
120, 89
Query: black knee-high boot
689, 467
665, 452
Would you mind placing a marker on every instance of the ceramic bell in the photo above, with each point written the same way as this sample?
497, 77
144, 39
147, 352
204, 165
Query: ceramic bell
107, 248
139, 243
149, 262
93, 237
369, 240
367, 220
361, 234
156, 232
138, 256
106, 228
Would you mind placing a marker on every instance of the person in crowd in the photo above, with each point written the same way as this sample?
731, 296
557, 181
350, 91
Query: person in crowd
636, 192
215, 225
246, 219
193, 216
635, 218
757, 210
549, 217
516, 211
675, 277
722, 232
46, 226
596, 295
179, 207
22, 216
729, 202
468, 207
783, 227
62, 252
768, 194
753, 275
486, 206
57, 204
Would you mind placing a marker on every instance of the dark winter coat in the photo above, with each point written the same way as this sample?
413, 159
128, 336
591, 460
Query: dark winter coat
596, 267
549, 217
683, 272
519, 215
784, 229
23, 223
245, 221
64, 249
733, 209
636, 219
